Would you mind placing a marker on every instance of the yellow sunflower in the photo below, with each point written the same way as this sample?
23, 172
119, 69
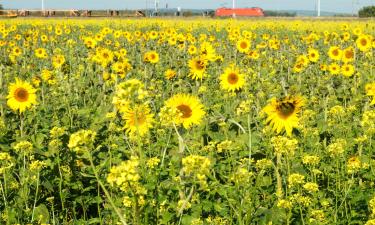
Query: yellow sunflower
190, 109
283, 113
197, 68
243, 45
21, 95
335, 53
364, 43
370, 91
208, 52
347, 70
41, 53
138, 120
334, 68
232, 79
152, 57
348, 55
313, 55
170, 74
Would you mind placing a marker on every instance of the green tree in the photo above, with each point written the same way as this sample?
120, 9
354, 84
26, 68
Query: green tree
367, 11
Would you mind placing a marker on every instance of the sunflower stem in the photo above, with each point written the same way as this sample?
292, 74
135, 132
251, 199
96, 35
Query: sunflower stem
181, 143
122, 219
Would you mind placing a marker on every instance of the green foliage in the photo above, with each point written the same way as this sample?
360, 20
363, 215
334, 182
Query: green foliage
76, 163
279, 14
367, 11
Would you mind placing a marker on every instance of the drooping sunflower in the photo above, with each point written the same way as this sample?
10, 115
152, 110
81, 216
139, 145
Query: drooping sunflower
197, 68
189, 107
370, 91
21, 96
170, 74
283, 113
348, 55
138, 120
58, 60
207, 51
232, 80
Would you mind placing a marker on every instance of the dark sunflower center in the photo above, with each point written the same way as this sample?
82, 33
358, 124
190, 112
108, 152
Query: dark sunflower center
349, 54
232, 78
243, 45
199, 65
185, 110
139, 118
335, 52
363, 42
286, 109
21, 95
152, 56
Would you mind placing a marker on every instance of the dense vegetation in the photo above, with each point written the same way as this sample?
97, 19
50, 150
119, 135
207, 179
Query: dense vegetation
212, 122
368, 11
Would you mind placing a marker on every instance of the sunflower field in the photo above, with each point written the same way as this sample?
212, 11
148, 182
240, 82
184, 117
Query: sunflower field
191, 122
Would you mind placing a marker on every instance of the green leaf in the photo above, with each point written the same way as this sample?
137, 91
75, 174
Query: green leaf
41, 213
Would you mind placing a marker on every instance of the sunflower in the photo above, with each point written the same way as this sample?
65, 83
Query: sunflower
41, 53
232, 80
283, 113
90, 42
192, 50
347, 70
170, 74
298, 67
138, 120
17, 51
335, 53
58, 60
208, 52
370, 91
190, 109
364, 43
152, 57
243, 45
334, 68
313, 55
197, 68
21, 95
348, 55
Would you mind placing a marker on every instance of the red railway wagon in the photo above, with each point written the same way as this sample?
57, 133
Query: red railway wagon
239, 12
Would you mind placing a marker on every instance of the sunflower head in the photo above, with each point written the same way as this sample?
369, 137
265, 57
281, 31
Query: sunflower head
243, 45
282, 114
21, 96
189, 109
197, 68
138, 120
232, 80
364, 43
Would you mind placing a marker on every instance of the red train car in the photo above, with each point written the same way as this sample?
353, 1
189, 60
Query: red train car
254, 12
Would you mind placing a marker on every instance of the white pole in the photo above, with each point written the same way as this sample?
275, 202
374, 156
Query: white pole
156, 6
318, 8
233, 7
43, 7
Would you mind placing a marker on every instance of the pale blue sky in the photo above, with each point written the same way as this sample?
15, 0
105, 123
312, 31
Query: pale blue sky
327, 5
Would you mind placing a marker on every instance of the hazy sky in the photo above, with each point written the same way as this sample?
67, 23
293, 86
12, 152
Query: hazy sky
326, 5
